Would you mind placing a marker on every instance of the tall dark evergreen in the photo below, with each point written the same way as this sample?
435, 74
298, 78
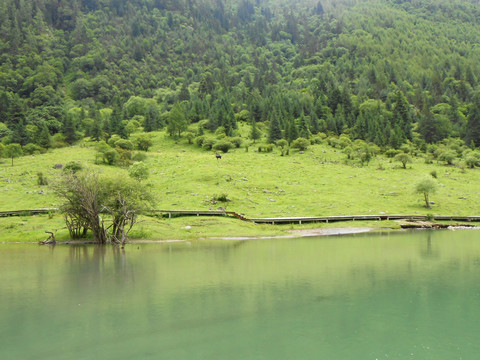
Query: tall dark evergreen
473, 122
274, 131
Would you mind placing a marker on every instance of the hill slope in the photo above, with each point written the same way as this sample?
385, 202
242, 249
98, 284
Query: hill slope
376, 70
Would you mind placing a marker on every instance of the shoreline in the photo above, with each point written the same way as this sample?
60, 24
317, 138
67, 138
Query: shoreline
289, 234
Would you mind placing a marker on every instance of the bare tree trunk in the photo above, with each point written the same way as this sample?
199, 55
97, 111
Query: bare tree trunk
427, 203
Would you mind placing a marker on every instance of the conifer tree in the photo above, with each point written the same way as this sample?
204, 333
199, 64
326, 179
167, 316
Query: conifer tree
43, 137
274, 131
291, 132
473, 121
254, 132
303, 129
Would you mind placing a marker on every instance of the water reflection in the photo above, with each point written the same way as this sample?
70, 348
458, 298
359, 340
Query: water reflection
89, 265
346, 297
428, 252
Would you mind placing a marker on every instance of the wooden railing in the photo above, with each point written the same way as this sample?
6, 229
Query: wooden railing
275, 220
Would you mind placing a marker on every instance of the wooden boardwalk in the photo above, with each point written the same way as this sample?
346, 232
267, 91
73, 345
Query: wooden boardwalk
27, 212
276, 220
327, 219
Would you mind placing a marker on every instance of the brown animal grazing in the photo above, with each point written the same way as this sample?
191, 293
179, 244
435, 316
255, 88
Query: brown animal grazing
218, 156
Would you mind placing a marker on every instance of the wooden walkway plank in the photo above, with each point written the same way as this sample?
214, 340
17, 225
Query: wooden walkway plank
276, 220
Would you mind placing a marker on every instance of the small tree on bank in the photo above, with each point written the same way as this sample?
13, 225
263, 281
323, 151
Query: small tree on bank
12, 151
426, 187
404, 159
107, 207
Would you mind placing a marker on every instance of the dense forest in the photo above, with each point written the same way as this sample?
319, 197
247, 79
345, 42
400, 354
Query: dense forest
384, 71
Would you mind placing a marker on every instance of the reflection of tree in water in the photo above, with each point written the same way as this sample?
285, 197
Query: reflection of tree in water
91, 266
428, 251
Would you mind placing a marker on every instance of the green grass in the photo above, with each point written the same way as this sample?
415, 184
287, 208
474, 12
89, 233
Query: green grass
184, 177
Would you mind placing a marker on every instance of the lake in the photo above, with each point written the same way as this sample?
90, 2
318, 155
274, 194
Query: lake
404, 295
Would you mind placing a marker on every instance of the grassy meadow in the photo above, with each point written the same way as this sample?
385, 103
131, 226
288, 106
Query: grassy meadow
317, 182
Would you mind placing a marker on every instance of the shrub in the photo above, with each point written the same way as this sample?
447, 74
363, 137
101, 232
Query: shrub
41, 180
110, 156
32, 149
434, 173
142, 142
208, 144
448, 156
391, 153
113, 140
189, 136
265, 148
138, 171
199, 140
300, 144
139, 156
236, 141
124, 144
282, 143
58, 141
124, 157
472, 159
222, 145
73, 167
222, 198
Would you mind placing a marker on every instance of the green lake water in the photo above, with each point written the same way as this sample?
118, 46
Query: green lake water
394, 296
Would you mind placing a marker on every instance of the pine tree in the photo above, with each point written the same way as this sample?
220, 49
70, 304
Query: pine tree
43, 138
69, 129
96, 132
274, 131
303, 129
19, 134
401, 115
184, 94
254, 132
473, 122
291, 132
151, 119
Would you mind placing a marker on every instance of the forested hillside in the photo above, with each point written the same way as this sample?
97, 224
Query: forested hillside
385, 71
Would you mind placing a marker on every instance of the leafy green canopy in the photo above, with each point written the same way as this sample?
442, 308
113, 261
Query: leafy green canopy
378, 70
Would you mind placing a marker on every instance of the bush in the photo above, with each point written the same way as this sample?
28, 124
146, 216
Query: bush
113, 140
199, 140
391, 153
142, 142
221, 198
282, 143
73, 167
300, 144
41, 180
236, 141
110, 157
32, 149
208, 144
220, 132
139, 156
138, 171
58, 141
448, 156
124, 144
265, 148
316, 140
189, 136
472, 159
222, 145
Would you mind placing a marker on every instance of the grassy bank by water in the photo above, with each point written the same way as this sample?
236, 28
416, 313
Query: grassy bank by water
317, 182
